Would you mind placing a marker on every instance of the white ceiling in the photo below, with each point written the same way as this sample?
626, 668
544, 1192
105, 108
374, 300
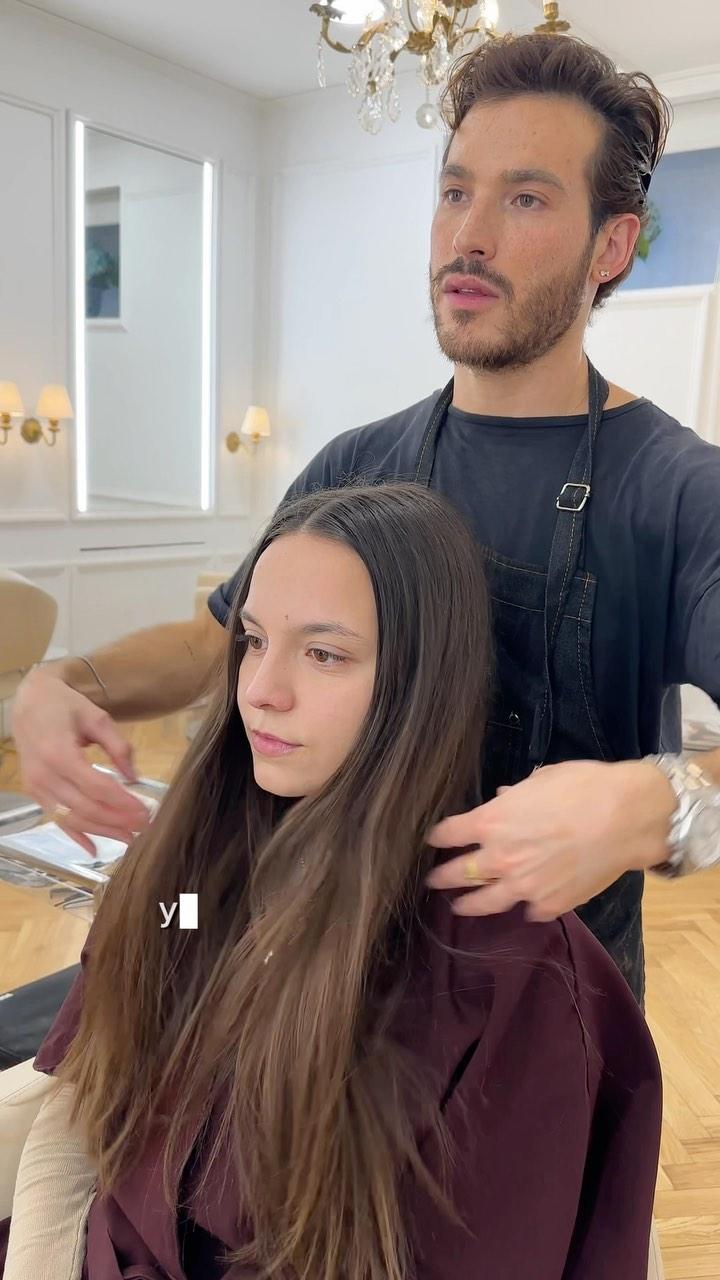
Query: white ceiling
267, 47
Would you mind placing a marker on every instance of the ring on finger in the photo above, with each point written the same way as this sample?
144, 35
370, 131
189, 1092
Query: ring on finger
60, 812
472, 875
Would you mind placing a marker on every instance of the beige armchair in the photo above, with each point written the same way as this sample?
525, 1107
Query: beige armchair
27, 620
22, 1090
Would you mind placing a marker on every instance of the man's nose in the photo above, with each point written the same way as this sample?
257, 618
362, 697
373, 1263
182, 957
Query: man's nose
475, 235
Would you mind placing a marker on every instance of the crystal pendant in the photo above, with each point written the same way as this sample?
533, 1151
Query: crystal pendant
427, 116
398, 35
424, 13
370, 113
393, 105
440, 57
321, 74
383, 69
425, 72
358, 73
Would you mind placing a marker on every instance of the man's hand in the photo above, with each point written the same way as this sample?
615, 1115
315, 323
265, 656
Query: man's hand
557, 839
51, 725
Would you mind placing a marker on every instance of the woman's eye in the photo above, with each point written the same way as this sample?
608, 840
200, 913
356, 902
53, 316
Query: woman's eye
254, 643
325, 659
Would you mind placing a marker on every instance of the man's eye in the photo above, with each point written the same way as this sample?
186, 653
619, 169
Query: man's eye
525, 195
452, 191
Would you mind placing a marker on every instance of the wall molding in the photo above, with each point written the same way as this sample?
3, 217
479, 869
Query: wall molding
34, 515
57, 117
693, 85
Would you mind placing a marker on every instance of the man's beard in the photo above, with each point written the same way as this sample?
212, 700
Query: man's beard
545, 314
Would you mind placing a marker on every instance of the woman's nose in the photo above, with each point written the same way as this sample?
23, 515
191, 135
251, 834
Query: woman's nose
271, 685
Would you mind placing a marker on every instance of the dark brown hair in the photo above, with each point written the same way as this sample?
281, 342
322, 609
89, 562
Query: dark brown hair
309, 910
635, 115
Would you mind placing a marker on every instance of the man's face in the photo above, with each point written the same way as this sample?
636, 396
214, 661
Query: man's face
513, 216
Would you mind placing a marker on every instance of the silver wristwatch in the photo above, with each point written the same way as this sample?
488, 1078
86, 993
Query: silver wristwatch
694, 841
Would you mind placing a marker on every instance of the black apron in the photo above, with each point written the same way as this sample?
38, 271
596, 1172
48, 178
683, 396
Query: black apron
544, 709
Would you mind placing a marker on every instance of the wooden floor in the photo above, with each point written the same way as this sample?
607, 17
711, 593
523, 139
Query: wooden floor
682, 931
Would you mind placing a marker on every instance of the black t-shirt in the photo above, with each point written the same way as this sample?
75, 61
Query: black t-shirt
652, 537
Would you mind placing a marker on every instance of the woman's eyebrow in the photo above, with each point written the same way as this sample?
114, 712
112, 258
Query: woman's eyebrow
311, 628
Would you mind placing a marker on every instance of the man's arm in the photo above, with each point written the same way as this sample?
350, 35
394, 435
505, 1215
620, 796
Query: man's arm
63, 707
148, 673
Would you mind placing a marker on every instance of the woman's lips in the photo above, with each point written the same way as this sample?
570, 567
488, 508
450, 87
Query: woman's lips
266, 745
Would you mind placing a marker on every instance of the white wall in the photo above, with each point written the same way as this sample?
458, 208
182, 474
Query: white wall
49, 68
346, 319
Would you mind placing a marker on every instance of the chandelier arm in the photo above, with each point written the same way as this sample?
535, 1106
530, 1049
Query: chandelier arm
473, 31
413, 23
325, 35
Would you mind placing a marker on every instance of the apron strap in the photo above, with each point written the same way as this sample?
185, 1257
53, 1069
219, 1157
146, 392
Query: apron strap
565, 553
426, 452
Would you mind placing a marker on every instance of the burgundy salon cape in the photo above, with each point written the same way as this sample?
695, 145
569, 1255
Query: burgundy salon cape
554, 1111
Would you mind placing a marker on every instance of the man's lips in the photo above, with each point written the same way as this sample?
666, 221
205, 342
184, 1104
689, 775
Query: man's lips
268, 745
467, 292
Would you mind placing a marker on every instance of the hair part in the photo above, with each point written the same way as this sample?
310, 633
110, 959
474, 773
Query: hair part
636, 117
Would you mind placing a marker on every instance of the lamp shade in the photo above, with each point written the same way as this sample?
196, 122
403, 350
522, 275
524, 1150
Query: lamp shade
256, 422
10, 400
54, 403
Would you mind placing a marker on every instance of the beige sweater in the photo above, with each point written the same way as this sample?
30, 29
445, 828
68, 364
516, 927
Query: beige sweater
54, 1190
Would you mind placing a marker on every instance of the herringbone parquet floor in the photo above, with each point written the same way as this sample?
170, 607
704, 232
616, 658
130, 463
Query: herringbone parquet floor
682, 931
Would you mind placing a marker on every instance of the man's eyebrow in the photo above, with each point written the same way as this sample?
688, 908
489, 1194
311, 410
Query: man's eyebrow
509, 176
311, 628
512, 176
455, 171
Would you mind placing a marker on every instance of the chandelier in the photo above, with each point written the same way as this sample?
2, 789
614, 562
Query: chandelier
436, 31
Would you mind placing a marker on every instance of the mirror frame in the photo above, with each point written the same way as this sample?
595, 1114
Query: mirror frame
209, 398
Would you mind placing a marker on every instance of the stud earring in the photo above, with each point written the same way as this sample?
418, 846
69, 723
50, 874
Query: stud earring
604, 274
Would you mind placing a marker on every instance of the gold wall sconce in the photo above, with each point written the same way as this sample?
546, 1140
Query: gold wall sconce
256, 426
53, 404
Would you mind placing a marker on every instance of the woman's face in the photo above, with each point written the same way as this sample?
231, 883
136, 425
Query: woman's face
306, 680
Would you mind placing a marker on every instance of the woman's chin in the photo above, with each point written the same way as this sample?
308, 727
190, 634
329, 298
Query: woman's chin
269, 777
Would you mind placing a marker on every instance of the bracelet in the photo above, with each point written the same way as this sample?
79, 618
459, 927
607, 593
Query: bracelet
694, 838
101, 682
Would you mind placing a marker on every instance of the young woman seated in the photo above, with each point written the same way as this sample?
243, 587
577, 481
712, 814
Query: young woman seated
334, 1076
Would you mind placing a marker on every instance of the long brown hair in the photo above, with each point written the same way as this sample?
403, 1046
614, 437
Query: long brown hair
635, 114
308, 914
